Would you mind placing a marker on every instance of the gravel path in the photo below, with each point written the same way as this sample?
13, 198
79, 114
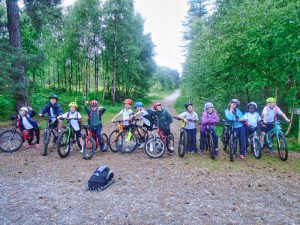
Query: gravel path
170, 190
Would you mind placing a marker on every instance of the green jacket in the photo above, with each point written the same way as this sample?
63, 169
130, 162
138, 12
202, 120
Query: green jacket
164, 118
95, 116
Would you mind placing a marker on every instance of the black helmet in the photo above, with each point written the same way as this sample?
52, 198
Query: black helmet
187, 104
53, 96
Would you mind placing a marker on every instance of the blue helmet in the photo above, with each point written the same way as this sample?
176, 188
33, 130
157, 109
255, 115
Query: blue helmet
138, 104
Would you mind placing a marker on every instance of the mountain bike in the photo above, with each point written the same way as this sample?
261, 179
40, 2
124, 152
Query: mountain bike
229, 138
156, 146
209, 143
11, 140
183, 140
50, 130
276, 135
67, 138
91, 143
114, 134
254, 143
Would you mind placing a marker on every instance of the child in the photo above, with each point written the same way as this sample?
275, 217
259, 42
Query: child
53, 109
209, 117
75, 115
95, 113
164, 119
236, 116
26, 122
253, 119
126, 114
190, 117
269, 116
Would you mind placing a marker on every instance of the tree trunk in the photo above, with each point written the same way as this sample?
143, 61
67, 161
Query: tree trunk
13, 26
114, 75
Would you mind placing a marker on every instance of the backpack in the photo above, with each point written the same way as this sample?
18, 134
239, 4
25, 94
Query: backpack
101, 179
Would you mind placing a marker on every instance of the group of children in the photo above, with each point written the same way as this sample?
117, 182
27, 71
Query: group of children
244, 124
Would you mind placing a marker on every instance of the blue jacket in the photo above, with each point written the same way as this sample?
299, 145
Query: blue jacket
56, 109
29, 118
234, 117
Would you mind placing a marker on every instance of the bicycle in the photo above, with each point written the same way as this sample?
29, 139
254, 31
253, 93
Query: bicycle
182, 143
129, 140
254, 143
280, 140
91, 142
209, 143
50, 129
113, 136
155, 146
229, 137
66, 139
12, 140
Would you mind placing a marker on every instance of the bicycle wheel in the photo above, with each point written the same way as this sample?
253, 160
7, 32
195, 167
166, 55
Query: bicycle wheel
232, 147
282, 147
10, 141
256, 147
47, 136
89, 148
210, 145
126, 142
63, 144
170, 143
224, 138
182, 143
112, 141
155, 147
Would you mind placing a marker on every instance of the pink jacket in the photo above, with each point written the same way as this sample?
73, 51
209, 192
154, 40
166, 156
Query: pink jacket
210, 119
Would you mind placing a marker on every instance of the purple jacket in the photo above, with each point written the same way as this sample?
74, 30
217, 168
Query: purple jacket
210, 119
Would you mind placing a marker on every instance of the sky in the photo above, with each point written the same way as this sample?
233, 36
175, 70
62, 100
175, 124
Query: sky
163, 19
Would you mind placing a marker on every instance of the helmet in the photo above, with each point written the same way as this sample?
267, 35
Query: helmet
271, 100
208, 105
94, 103
187, 104
53, 96
73, 104
138, 104
128, 101
156, 104
24, 109
237, 102
253, 104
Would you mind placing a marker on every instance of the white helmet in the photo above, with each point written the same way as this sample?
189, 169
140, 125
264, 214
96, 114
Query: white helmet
24, 109
208, 105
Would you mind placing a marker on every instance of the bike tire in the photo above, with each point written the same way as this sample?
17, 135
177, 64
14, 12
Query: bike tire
89, 148
210, 145
126, 146
182, 143
16, 138
256, 148
63, 144
282, 147
104, 141
84, 133
170, 143
47, 137
158, 147
224, 139
112, 141
232, 147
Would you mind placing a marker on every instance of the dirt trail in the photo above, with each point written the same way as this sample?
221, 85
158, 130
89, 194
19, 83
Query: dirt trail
170, 190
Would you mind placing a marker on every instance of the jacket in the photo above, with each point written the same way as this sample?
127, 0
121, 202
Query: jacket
210, 119
30, 120
56, 109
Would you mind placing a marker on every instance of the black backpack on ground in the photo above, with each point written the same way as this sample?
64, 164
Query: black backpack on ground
101, 179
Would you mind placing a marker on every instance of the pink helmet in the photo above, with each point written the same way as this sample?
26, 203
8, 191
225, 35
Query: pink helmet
94, 103
156, 104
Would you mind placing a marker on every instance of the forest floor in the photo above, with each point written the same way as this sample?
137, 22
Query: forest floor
169, 190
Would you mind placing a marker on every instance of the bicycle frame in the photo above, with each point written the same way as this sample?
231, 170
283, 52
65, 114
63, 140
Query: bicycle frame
275, 131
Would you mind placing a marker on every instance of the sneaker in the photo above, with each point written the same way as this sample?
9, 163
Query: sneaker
81, 150
142, 145
201, 152
242, 156
37, 146
104, 148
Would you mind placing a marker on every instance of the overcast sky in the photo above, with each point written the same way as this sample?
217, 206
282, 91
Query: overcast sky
163, 18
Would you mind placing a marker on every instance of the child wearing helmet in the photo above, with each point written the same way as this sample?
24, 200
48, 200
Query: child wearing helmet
269, 116
94, 119
53, 109
75, 117
209, 117
190, 117
253, 120
26, 122
126, 113
234, 115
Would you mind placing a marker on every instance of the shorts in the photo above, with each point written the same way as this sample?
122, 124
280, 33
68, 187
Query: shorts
267, 128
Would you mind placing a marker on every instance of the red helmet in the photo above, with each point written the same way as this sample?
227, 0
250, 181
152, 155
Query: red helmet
156, 104
94, 103
128, 101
